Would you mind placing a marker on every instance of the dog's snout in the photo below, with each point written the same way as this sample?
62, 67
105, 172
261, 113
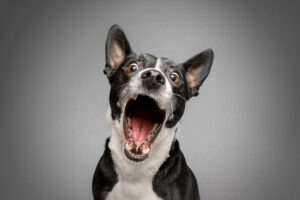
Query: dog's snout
146, 74
152, 79
160, 79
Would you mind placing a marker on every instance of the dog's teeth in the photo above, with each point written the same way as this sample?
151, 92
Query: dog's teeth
127, 147
129, 120
132, 142
131, 138
129, 134
146, 150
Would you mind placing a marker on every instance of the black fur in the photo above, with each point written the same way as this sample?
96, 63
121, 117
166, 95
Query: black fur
105, 176
175, 180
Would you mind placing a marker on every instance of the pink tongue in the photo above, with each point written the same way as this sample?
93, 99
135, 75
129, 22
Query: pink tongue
141, 124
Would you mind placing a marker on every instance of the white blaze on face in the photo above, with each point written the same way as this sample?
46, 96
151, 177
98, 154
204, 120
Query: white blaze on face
158, 67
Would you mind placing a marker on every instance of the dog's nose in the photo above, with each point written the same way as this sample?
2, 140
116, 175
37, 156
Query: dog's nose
152, 79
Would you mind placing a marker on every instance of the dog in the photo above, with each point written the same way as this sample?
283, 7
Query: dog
142, 159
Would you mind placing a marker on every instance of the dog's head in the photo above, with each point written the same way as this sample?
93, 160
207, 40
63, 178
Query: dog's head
148, 94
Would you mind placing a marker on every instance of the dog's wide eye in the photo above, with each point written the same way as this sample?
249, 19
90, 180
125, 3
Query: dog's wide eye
132, 67
174, 76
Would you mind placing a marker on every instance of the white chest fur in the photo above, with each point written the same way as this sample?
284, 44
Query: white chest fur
128, 190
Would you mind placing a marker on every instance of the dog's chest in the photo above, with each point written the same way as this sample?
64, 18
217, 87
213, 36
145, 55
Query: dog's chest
133, 190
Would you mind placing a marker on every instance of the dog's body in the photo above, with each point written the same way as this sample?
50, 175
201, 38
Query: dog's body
142, 158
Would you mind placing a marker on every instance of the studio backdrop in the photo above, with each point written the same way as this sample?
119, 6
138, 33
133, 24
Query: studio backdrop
240, 135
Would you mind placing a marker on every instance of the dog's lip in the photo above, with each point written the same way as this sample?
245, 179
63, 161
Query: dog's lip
151, 96
139, 150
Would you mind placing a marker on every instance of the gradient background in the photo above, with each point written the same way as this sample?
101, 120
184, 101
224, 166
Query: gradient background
240, 136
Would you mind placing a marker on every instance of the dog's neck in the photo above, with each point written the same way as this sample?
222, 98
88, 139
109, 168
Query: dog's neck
131, 170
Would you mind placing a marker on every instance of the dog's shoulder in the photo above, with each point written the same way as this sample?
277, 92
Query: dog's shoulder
167, 183
105, 176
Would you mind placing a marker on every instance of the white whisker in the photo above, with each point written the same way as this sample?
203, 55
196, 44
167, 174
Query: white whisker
178, 95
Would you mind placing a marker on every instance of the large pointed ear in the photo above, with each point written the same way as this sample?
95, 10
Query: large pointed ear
117, 48
197, 69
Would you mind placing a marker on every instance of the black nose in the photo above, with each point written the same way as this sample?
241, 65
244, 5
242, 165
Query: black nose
152, 79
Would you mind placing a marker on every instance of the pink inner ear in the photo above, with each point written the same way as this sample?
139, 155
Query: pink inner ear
117, 56
193, 76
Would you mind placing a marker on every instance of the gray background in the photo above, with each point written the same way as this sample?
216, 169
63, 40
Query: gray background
240, 136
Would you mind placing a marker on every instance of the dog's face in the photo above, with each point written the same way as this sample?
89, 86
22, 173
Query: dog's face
148, 94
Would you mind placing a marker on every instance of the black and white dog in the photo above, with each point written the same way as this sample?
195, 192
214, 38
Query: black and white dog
142, 159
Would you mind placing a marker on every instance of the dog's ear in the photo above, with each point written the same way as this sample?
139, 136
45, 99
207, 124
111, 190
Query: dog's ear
117, 48
197, 69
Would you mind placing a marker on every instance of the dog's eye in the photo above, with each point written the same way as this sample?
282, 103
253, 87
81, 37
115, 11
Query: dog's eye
132, 67
174, 76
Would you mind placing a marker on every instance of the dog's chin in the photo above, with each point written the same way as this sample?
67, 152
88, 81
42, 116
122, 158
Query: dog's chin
142, 122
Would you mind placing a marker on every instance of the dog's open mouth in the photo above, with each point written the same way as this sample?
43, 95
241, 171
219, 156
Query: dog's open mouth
142, 123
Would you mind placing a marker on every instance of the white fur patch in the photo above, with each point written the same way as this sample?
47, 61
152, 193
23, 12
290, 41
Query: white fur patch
158, 68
